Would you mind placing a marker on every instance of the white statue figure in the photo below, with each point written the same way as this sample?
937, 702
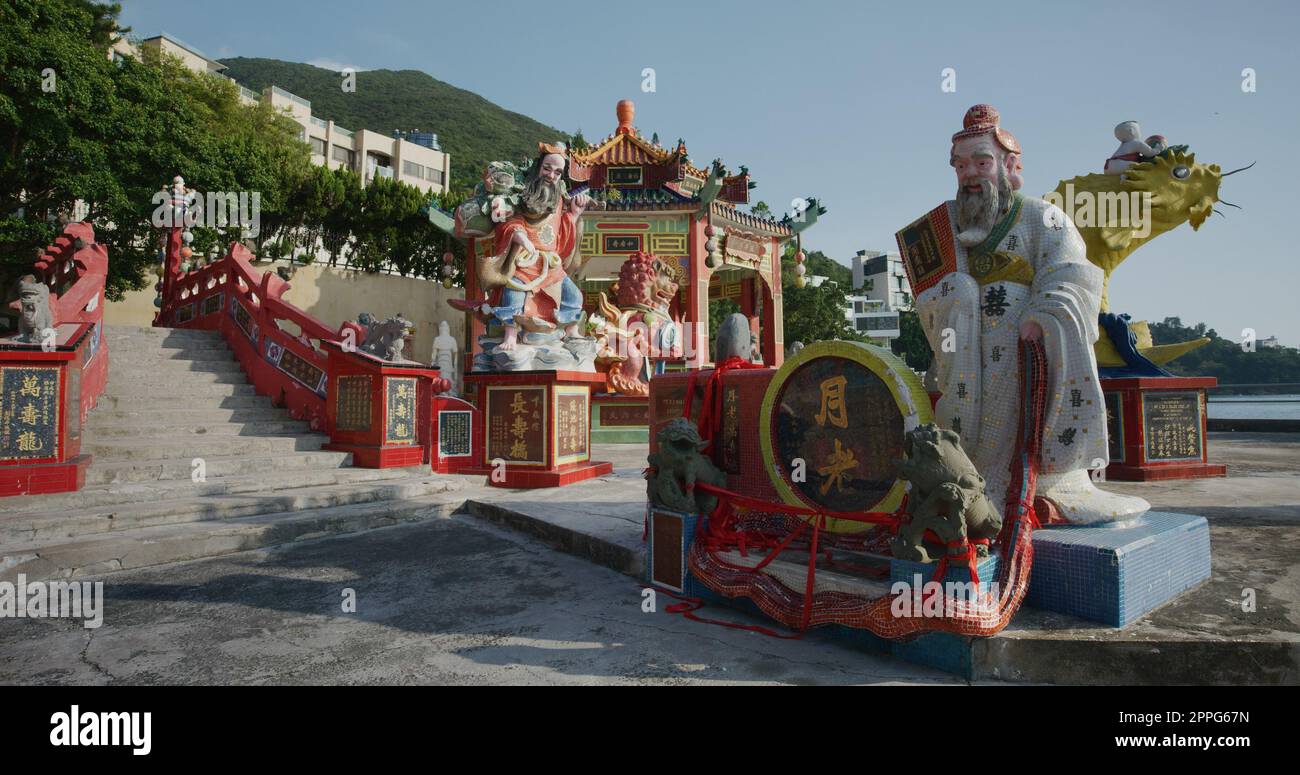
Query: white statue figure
445, 349
1131, 148
1011, 267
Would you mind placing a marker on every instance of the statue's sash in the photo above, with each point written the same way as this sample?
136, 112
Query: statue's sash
928, 248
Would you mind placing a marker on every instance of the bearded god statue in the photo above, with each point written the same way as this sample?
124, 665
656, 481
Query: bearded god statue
992, 267
535, 231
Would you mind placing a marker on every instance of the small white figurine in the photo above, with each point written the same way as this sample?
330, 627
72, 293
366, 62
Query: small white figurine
444, 356
1131, 148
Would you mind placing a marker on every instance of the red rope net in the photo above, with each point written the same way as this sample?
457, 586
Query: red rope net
742, 524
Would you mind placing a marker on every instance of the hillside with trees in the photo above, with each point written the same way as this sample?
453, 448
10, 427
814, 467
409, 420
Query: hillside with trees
470, 128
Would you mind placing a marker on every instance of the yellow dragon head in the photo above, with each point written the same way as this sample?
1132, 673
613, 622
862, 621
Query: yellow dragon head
1180, 189
1177, 188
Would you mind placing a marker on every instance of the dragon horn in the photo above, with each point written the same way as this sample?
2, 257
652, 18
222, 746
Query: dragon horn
1241, 169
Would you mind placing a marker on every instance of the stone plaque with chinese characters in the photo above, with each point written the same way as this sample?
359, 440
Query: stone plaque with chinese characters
300, 369
212, 304
516, 418
623, 415
242, 318
730, 446
400, 400
1172, 425
1115, 425
352, 409
621, 243
454, 433
571, 417
836, 422
29, 412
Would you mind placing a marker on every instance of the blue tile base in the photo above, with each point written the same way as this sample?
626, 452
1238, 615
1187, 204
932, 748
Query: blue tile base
1116, 574
1109, 574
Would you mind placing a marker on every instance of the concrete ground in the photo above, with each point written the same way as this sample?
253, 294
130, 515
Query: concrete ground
447, 601
460, 600
1202, 636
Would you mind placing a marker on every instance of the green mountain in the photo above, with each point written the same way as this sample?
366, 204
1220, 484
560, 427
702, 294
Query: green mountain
471, 129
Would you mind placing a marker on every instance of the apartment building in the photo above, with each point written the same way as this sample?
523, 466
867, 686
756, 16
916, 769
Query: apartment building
872, 318
879, 275
369, 154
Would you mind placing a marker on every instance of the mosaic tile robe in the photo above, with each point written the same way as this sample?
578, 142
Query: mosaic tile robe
1033, 266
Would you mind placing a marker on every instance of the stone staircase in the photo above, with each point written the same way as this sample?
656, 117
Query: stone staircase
175, 396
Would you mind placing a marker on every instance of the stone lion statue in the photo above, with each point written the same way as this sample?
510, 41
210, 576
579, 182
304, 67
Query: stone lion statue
677, 466
384, 340
34, 315
947, 495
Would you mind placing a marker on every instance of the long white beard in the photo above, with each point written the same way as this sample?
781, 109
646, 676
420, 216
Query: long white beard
978, 213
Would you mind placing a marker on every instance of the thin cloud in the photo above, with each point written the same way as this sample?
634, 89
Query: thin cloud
335, 65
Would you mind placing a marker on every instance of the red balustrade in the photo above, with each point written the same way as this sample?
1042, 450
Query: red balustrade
381, 414
46, 389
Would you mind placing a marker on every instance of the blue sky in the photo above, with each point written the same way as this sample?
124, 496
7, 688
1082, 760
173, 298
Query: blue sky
842, 100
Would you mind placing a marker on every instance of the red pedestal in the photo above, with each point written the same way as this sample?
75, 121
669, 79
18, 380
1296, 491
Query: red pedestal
737, 448
535, 428
44, 397
457, 436
1157, 428
378, 411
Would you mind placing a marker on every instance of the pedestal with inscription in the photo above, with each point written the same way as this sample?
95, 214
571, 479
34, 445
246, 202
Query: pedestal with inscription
42, 395
824, 431
617, 419
457, 437
1156, 427
536, 427
378, 410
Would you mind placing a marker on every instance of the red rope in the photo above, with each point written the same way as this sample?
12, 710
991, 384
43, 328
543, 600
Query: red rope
710, 421
725, 530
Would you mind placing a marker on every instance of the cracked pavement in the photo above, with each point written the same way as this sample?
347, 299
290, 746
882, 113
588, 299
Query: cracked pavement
448, 601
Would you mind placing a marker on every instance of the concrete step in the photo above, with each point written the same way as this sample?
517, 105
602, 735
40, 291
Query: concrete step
103, 418
153, 428
97, 496
163, 394
137, 351
152, 332
32, 531
161, 544
144, 343
156, 448
126, 471
145, 378
122, 367
137, 404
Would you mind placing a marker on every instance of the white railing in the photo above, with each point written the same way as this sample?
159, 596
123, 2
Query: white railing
291, 97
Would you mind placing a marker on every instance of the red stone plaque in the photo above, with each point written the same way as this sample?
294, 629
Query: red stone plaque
571, 417
516, 424
832, 427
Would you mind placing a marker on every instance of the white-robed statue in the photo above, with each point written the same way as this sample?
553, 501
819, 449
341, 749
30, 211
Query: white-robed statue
986, 269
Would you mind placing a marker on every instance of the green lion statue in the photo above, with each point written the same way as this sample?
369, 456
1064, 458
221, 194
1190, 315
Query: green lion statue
947, 495
677, 465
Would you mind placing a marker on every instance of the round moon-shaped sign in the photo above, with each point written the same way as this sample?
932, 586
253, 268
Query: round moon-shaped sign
832, 426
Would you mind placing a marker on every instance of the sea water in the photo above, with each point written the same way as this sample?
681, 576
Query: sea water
1258, 407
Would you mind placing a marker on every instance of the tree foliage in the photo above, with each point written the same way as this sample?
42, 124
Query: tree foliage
1226, 359
110, 135
813, 314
